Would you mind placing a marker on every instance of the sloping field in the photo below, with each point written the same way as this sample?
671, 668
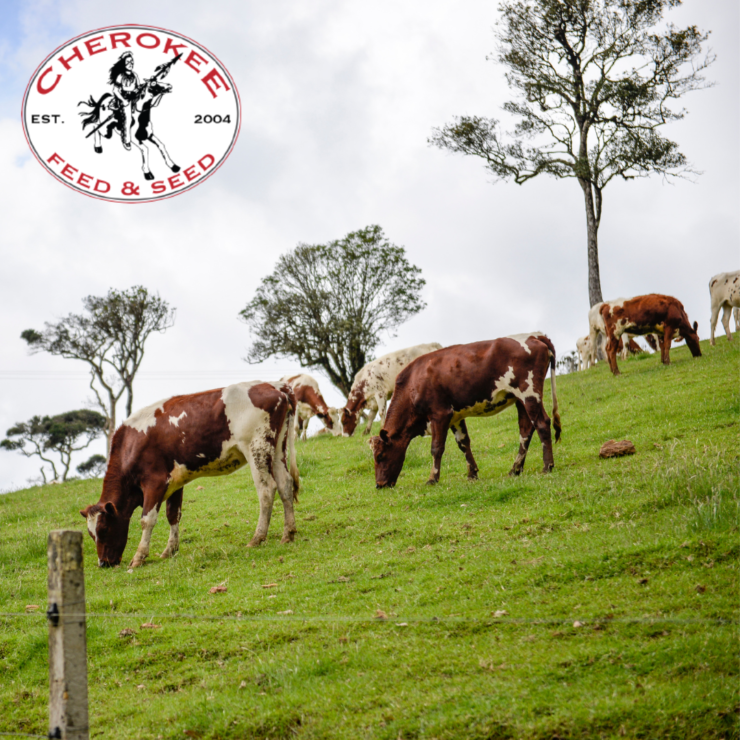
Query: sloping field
617, 579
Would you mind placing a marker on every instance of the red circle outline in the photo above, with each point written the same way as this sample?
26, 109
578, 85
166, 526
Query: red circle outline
132, 202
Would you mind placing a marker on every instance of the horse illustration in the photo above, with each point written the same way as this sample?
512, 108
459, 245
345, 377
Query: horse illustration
139, 122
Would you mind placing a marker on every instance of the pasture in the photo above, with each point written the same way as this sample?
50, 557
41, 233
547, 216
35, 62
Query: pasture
615, 583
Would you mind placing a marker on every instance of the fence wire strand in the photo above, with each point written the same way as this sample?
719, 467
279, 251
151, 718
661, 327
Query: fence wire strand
287, 618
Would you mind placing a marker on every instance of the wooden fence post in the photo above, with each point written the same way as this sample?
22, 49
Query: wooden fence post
67, 637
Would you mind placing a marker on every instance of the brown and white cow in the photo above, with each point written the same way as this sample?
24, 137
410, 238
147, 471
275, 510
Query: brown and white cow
373, 386
443, 388
724, 290
311, 403
646, 314
160, 448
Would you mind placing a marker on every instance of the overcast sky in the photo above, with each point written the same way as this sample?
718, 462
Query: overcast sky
338, 100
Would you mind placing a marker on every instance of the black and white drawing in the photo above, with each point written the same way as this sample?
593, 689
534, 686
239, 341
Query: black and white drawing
127, 110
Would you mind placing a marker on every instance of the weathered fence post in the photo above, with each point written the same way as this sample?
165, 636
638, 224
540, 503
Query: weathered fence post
67, 637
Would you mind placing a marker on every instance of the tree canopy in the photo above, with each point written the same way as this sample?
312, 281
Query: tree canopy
595, 80
327, 305
110, 338
62, 435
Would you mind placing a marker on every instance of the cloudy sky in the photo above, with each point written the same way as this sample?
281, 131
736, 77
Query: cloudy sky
339, 98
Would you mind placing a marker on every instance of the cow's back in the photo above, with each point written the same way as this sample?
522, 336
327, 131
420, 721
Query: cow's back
463, 374
381, 374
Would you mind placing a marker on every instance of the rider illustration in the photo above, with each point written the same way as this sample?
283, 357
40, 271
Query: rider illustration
126, 89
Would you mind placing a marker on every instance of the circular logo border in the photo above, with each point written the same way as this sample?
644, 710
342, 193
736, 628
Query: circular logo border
125, 200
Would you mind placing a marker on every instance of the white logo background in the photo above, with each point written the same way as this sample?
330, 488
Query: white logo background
197, 122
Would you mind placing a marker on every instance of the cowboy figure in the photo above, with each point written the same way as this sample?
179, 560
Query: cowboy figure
126, 88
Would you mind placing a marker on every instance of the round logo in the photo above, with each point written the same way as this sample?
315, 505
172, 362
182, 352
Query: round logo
131, 114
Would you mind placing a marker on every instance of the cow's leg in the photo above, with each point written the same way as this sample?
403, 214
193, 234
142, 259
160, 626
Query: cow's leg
736, 314
174, 512
260, 456
439, 438
612, 344
713, 322
299, 427
153, 495
665, 345
285, 488
726, 313
372, 410
460, 430
537, 414
526, 430
382, 402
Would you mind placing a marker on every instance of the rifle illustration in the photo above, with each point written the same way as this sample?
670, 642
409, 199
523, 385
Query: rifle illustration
160, 73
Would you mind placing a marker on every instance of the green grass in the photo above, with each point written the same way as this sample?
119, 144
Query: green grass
618, 545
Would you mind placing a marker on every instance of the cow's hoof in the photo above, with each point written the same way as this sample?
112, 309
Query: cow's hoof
431, 482
148, 176
548, 468
175, 168
514, 472
256, 541
168, 554
472, 478
98, 150
136, 563
287, 538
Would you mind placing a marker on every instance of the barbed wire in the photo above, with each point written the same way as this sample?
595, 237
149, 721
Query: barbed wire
583, 621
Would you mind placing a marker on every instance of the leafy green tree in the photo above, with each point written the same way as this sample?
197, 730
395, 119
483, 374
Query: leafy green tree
93, 467
110, 338
595, 79
326, 305
62, 435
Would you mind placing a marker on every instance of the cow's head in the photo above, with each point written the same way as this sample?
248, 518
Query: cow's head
334, 421
349, 421
388, 455
109, 530
692, 340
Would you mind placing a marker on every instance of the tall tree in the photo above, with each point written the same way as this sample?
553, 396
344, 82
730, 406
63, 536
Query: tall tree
595, 81
110, 338
326, 305
62, 434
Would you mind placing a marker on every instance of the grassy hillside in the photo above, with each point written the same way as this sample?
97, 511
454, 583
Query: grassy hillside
617, 579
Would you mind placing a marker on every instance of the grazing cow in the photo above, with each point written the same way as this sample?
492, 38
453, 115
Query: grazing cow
480, 379
724, 290
586, 354
374, 384
310, 403
160, 448
646, 314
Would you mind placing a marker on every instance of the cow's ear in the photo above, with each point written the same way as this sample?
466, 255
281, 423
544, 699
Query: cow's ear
384, 436
696, 325
110, 508
371, 443
83, 513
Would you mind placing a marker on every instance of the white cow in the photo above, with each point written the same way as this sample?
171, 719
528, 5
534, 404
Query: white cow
724, 290
586, 354
373, 386
311, 403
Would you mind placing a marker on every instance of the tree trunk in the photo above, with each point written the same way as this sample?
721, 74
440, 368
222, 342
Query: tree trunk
110, 426
593, 217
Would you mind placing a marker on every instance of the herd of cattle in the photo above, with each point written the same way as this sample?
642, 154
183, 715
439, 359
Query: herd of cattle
162, 447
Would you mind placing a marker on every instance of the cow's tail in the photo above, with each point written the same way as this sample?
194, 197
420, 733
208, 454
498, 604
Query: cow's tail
291, 432
555, 414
